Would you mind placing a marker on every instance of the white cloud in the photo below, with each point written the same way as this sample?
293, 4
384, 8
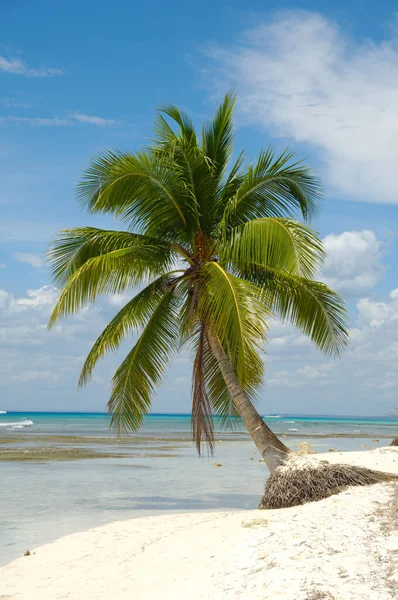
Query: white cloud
35, 260
49, 361
375, 313
70, 119
91, 119
16, 66
43, 297
352, 264
119, 299
364, 381
303, 376
301, 77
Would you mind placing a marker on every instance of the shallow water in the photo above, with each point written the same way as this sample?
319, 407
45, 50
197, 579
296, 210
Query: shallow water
41, 501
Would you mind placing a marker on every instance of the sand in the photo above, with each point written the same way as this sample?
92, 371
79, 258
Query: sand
341, 548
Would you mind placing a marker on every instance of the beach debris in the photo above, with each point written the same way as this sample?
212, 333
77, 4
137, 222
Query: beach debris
27, 553
217, 464
375, 440
332, 450
300, 480
305, 448
394, 442
261, 460
255, 523
362, 445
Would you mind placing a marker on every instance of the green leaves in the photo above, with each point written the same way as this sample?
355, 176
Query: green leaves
187, 130
274, 188
218, 136
72, 248
144, 190
279, 244
130, 318
109, 273
311, 306
233, 311
134, 381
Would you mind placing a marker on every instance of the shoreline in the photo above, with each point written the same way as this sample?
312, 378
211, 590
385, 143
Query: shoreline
39, 448
342, 547
237, 436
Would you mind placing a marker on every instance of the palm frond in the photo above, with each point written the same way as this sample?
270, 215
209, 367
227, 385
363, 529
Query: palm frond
187, 130
134, 381
72, 248
311, 306
164, 133
218, 136
233, 312
146, 192
107, 274
274, 188
131, 317
202, 419
276, 243
228, 189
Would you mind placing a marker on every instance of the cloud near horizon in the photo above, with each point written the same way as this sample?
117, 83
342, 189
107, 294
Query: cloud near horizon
299, 76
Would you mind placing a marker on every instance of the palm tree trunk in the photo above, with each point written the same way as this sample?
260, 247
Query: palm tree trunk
273, 451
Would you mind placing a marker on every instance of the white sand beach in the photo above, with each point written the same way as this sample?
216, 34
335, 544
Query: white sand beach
341, 548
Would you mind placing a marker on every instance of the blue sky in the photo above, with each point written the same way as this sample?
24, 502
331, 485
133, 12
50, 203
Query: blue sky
79, 77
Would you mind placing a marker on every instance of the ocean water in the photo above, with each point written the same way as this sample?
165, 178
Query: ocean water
155, 471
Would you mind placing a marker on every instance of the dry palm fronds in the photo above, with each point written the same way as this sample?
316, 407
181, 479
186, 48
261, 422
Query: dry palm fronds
301, 480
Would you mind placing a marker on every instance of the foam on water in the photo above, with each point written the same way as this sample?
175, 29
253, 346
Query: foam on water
19, 425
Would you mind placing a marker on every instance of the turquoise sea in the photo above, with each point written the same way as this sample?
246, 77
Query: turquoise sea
45, 496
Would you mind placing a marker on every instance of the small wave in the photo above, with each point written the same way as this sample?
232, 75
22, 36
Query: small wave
289, 421
292, 429
20, 425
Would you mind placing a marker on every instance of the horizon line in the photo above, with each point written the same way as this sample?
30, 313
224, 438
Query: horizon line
160, 414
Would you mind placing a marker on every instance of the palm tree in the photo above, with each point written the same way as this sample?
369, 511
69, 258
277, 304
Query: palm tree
219, 254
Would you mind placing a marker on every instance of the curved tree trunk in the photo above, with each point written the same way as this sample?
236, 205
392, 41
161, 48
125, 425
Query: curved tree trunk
273, 451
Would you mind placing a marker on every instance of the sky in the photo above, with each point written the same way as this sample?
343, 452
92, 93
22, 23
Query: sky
320, 78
